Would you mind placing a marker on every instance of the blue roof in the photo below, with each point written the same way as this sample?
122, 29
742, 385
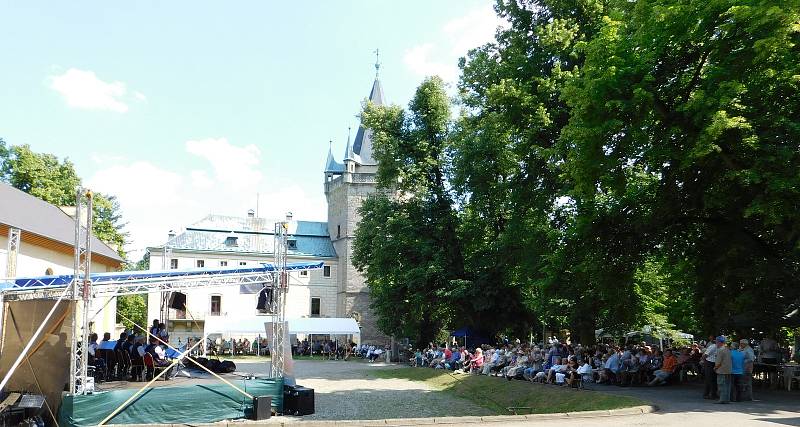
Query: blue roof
253, 235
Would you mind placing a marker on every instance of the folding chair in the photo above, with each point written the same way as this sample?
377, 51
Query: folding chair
152, 369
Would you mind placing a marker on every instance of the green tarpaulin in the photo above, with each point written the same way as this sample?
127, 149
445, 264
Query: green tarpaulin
199, 403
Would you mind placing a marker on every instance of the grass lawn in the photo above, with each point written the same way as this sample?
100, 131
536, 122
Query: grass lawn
498, 394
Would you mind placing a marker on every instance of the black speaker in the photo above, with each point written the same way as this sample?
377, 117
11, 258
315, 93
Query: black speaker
226, 367
262, 407
298, 400
200, 361
177, 301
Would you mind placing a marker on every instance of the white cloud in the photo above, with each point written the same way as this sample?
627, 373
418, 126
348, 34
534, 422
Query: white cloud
84, 90
155, 199
419, 59
231, 164
139, 96
458, 35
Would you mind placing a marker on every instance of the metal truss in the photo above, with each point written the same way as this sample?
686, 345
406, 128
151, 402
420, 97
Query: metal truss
141, 282
81, 292
280, 285
14, 236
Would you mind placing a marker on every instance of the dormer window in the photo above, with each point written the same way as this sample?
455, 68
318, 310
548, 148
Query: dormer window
292, 244
231, 241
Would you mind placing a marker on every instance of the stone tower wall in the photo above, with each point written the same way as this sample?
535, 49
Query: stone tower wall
345, 196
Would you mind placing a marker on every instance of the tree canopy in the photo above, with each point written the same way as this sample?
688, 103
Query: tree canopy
614, 164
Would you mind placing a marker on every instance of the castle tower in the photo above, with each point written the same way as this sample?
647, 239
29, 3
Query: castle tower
347, 185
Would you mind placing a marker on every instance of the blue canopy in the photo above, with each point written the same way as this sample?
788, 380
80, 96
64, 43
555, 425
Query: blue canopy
463, 332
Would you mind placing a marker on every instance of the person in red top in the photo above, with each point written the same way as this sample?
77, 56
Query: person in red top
670, 363
476, 361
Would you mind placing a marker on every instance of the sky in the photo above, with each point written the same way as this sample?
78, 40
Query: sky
186, 108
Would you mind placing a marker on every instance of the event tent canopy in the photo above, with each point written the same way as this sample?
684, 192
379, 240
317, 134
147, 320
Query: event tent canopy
258, 325
321, 325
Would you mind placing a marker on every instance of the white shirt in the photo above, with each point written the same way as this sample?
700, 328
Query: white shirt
92, 347
711, 353
160, 352
140, 350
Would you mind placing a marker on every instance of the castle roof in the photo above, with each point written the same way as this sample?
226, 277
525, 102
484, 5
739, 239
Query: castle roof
362, 146
331, 165
359, 150
221, 233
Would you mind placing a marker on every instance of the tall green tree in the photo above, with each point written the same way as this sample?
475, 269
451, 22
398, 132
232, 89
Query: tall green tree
407, 245
528, 235
678, 101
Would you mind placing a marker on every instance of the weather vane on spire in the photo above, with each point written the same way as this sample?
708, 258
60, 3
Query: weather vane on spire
377, 62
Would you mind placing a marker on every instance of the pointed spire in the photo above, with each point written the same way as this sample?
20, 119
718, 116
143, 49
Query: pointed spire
348, 150
331, 165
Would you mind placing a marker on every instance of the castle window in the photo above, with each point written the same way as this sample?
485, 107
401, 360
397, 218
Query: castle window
292, 244
326, 271
173, 263
231, 241
201, 263
315, 307
304, 273
223, 263
216, 305
338, 231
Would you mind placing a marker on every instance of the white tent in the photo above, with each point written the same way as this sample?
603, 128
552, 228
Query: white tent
325, 326
259, 325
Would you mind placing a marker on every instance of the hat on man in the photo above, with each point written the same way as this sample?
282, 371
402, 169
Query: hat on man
721, 339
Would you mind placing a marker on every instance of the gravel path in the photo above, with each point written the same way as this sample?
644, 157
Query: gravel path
346, 390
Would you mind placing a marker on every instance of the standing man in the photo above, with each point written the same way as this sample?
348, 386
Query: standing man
746, 392
710, 377
737, 371
723, 368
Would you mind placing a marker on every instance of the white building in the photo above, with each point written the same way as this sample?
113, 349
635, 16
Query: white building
46, 246
226, 241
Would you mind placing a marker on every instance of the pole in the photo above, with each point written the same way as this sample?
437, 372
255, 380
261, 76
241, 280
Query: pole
87, 290
73, 365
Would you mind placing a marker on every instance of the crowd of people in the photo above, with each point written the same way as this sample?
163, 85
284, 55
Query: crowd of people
725, 366
338, 350
132, 357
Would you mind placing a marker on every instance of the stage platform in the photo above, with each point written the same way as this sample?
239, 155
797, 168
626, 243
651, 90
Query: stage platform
180, 400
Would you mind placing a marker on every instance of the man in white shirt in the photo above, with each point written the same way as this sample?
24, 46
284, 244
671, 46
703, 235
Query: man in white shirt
747, 377
612, 366
710, 377
494, 360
